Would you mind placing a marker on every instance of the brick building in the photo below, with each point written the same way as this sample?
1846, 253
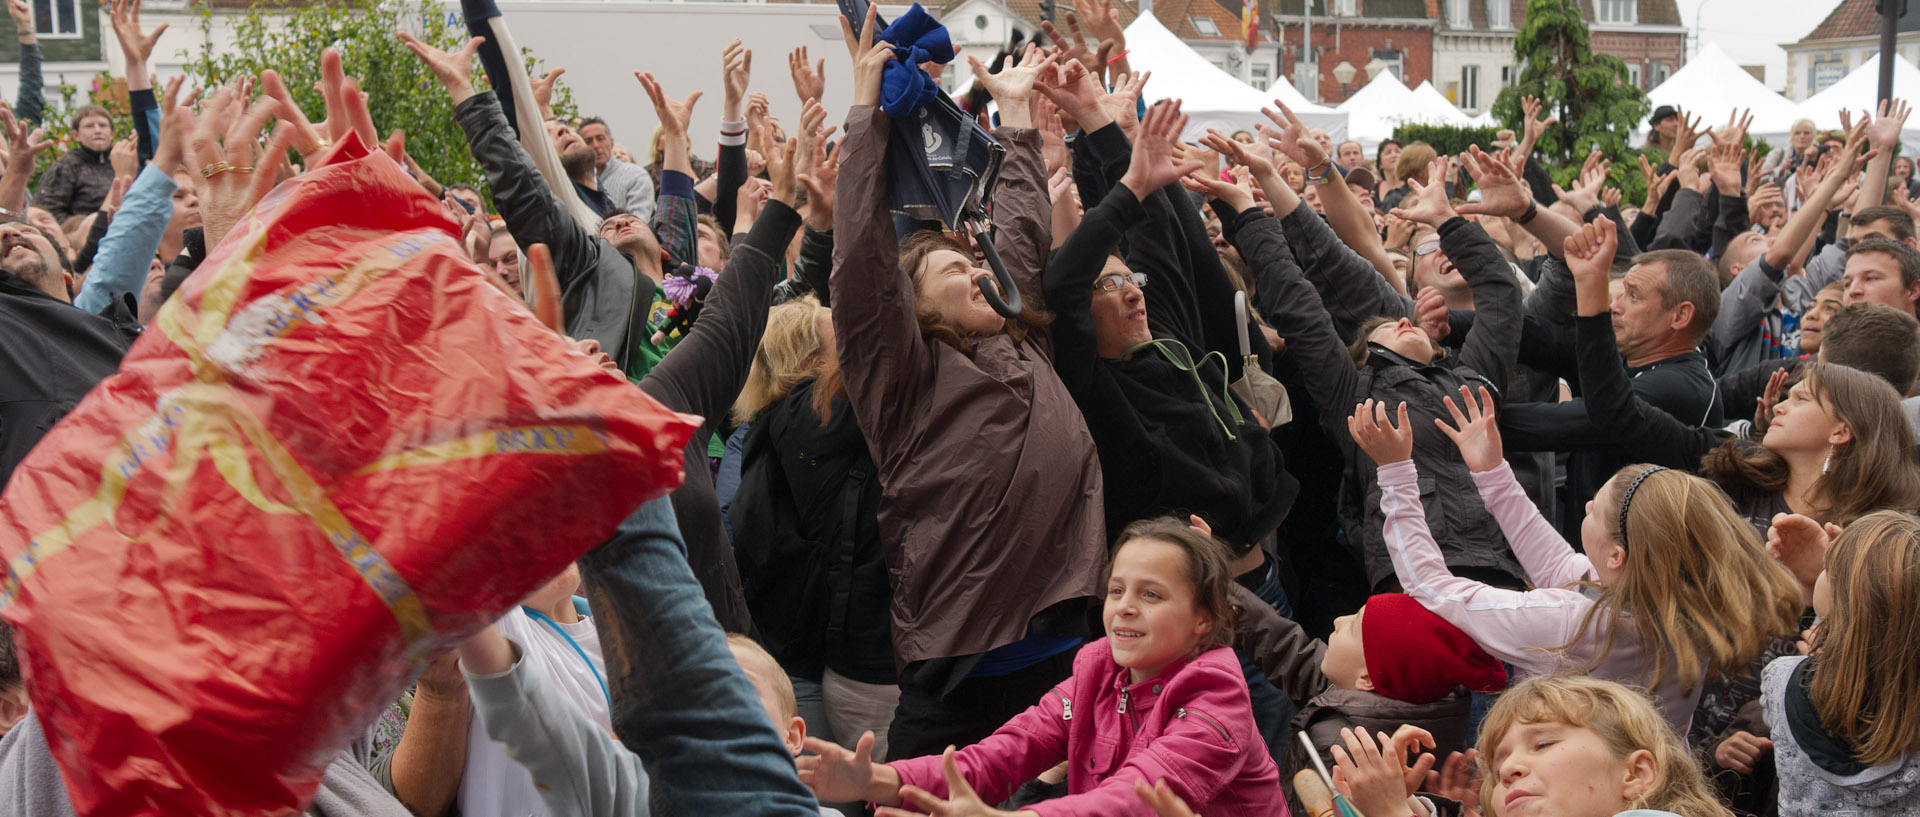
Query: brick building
1849, 35
1473, 46
1368, 36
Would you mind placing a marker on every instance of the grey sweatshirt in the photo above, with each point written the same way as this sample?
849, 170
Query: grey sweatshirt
30, 784
578, 768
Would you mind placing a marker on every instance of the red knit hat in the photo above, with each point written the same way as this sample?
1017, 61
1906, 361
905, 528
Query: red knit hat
1417, 657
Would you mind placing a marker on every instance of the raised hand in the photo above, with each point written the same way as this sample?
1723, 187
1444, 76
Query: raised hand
1884, 132
1474, 432
310, 140
1763, 410
736, 68
1233, 194
1121, 103
809, 82
125, 158
1534, 125
1657, 184
137, 45
1761, 206
1428, 203
780, 171
22, 21
1501, 193
1378, 436
1293, 142
1585, 194
674, 117
1735, 131
1153, 166
453, 70
835, 774
1013, 85
1688, 133
1074, 48
23, 147
1589, 251
1068, 85
234, 172
542, 88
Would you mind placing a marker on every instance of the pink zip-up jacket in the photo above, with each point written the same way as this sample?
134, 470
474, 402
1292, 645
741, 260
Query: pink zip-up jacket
1523, 628
1191, 725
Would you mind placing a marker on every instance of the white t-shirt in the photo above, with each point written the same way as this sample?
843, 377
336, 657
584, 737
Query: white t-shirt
494, 785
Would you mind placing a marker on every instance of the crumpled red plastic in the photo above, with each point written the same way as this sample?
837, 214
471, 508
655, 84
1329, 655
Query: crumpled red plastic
336, 452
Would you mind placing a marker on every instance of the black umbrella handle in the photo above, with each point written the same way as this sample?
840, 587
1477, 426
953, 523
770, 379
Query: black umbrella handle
1008, 307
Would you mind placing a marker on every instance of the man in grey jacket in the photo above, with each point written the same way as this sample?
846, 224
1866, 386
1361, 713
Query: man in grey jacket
628, 185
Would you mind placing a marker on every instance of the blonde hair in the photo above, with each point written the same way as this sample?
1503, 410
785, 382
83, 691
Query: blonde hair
768, 667
1865, 664
1413, 162
1622, 718
791, 351
1697, 590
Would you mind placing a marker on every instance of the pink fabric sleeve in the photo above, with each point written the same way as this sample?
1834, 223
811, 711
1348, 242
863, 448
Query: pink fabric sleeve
1033, 742
1523, 628
1547, 558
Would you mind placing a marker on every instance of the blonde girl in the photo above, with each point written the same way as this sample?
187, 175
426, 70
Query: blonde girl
1845, 719
1573, 746
1684, 587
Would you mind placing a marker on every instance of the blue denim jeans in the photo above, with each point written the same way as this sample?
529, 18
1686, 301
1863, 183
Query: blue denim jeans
680, 701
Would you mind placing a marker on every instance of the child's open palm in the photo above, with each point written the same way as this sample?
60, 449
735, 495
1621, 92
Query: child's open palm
1378, 435
961, 800
834, 773
1475, 432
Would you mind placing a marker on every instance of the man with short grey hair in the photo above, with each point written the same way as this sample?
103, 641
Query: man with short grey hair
628, 185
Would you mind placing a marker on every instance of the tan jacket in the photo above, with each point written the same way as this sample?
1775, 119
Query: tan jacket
992, 498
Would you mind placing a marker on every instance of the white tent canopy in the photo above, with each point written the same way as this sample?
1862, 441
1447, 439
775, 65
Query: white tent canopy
1386, 103
1213, 98
1859, 91
1435, 109
1712, 86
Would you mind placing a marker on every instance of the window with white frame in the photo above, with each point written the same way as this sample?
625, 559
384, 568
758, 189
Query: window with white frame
1626, 12
1660, 72
1509, 74
1459, 13
1344, 8
1469, 88
1205, 27
1395, 61
1262, 75
1633, 75
1499, 14
56, 18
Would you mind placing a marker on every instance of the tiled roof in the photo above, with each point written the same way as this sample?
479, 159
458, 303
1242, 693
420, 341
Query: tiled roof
1859, 18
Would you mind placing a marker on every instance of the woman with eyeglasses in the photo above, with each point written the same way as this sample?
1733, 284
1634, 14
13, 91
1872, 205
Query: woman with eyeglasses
1146, 341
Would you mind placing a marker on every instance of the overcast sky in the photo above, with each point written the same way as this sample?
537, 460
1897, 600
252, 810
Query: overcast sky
1752, 30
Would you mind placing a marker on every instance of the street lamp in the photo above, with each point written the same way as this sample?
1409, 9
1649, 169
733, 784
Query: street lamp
1343, 74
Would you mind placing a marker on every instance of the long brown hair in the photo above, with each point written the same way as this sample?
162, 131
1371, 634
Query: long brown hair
1866, 653
1208, 567
914, 250
1623, 719
1877, 470
791, 351
1698, 590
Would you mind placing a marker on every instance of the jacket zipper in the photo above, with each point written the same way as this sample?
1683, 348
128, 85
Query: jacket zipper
1066, 705
1217, 728
1133, 719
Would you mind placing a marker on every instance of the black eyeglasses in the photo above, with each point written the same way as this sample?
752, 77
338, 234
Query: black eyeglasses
1112, 283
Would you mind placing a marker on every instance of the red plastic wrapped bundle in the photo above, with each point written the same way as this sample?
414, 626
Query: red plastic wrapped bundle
337, 451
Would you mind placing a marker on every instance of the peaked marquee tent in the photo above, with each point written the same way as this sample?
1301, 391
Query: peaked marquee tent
1859, 91
1712, 85
1213, 98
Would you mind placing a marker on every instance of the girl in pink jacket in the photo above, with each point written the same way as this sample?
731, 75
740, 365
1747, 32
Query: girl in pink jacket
1673, 585
1162, 697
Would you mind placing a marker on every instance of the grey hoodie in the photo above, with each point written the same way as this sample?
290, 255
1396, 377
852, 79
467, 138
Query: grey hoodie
1815, 781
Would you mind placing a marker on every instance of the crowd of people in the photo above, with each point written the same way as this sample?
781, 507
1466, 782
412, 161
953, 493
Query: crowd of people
1419, 485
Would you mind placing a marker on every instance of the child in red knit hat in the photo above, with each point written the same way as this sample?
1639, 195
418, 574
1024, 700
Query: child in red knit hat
1393, 664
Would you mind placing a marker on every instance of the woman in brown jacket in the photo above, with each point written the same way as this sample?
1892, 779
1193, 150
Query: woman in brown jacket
991, 510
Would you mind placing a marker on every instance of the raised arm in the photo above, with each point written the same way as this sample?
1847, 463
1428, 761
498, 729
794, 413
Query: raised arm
736, 68
1547, 558
676, 221
1022, 210
137, 47
1883, 136
1344, 213
31, 103
23, 148
680, 701
1295, 312
1494, 341
1642, 431
1510, 625
1502, 194
707, 369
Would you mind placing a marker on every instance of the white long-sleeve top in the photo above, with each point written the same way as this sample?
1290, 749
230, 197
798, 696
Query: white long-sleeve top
1527, 629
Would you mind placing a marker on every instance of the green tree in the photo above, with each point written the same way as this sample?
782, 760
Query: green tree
1589, 93
402, 94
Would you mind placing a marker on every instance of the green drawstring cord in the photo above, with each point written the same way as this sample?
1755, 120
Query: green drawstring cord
1184, 362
